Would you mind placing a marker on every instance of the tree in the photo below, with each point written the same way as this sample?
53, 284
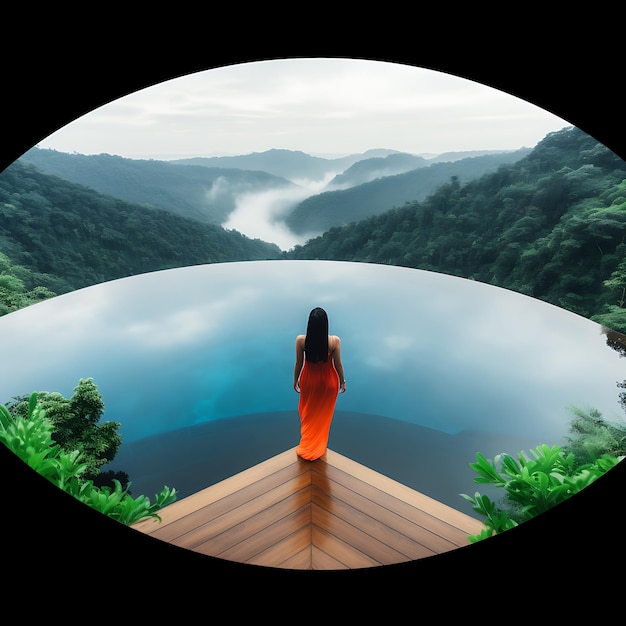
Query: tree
29, 436
614, 314
549, 475
76, 424
593, 436
14, 294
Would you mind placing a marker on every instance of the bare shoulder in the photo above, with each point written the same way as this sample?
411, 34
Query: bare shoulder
300, 340
334, 342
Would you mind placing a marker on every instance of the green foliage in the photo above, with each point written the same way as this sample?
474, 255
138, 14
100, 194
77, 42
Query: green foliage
321, 212
117, 503
497, 520
551, 225
14, 294
533, 484
30, 438
203, 193
67, 236
592, 436
76, 424
613, 316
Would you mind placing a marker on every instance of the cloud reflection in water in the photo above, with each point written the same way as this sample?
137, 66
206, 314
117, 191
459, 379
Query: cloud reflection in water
181, 347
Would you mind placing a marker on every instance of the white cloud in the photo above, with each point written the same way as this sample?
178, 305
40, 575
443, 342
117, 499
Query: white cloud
314, 105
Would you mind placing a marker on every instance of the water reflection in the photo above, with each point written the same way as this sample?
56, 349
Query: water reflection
200, 360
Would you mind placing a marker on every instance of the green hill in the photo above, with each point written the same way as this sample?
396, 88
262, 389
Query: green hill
65, 236
206, 194
336, 208
552, 225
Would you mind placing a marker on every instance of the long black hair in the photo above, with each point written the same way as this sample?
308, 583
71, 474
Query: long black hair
316, 341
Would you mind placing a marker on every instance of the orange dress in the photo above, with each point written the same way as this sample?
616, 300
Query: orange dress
319, 386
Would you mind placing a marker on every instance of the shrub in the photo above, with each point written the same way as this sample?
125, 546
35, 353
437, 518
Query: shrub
592, 436
532, 485
30, 438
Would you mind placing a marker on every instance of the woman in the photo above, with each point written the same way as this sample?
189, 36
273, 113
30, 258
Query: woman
318, 377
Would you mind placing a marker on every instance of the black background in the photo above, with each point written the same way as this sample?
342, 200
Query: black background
57, 67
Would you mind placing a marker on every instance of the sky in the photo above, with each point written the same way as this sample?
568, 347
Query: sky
321, 106
326, 107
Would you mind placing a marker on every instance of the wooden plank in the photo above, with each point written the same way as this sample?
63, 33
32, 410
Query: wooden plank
332, 513
244, 541
292, 477
215, 527
343, 552
361, 541
222, 489
373, 517
321, 560
395, 532
300, 560
404, 493
418, 512
292, 552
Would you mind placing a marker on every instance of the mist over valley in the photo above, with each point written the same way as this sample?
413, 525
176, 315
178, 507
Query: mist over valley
546, 222
281, 197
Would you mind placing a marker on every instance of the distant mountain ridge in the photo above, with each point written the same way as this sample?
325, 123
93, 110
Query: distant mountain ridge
367, 170
66, 236
289, 164
318, 213
297, 165
551, 225
206, 194
209, 189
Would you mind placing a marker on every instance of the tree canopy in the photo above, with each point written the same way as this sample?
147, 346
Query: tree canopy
551, 226
76, 423
63, 236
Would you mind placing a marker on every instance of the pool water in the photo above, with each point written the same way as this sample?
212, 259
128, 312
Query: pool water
197, 365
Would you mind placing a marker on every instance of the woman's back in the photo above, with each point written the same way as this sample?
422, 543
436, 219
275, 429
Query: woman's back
318, 378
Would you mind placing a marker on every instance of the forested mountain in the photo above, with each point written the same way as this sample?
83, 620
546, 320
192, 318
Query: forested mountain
295, 165
366, 170
64, 236
208, 189
206, 194
320, 212
290, 164
551, 225
376, 167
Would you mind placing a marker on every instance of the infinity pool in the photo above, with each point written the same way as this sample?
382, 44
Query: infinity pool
197, 365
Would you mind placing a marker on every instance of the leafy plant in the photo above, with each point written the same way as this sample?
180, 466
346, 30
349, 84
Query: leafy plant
76, 423
533, 484
30, 438
117, 502
498, 520
592, 436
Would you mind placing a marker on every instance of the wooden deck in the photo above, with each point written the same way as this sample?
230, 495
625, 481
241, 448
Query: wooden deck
328, 514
